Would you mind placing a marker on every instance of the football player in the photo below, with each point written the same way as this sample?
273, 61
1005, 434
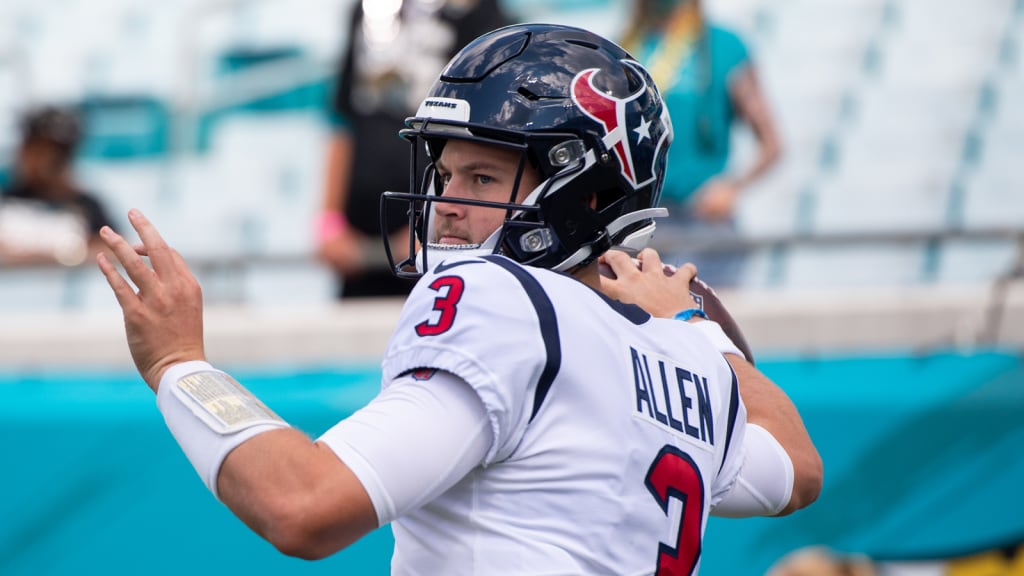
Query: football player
527, 422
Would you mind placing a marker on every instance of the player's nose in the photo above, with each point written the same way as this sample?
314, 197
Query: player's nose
449, 209
453, 189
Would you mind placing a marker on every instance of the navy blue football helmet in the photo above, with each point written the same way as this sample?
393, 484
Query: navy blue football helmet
583, 114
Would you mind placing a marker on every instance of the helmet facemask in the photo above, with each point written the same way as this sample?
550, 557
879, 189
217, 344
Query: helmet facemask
523, 231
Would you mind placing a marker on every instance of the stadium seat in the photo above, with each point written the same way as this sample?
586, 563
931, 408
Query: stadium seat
1009, 114
125, 185
944, 42
853, 266
763, 269
812, 28
994, 188
808, 137
88, 291
975, 261
203, 219
897, 183
771, 205
288, 285
899, 109
603, 17
34, 290
897, 159
881, 199
277, 23
744, 16
995, 195
270, 167
953, 21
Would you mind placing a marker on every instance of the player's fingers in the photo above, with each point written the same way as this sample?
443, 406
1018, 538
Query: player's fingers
684, 276
651, 261
183, 270
140, 249
157, 250
123, 291
136, 269
687, 271
620, 262
608, 279
609, 286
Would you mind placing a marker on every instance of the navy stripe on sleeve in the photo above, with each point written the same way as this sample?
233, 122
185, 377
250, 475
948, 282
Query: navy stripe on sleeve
548, 327
734, 407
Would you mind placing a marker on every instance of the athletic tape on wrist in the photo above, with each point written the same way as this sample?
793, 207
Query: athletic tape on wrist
210, 414
714, 332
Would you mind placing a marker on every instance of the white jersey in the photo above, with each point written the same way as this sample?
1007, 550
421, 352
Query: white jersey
612, 429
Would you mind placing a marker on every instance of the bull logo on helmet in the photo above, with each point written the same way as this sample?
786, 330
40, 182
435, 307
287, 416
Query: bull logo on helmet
626, 123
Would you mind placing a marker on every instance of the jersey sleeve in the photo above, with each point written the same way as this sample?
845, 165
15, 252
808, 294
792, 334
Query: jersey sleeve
412, 442
474, 319
731, 456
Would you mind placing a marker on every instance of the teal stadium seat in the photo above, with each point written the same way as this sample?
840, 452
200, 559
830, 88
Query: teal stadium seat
994, 193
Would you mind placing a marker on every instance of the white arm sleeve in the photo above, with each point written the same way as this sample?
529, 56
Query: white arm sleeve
765, 481
413, 442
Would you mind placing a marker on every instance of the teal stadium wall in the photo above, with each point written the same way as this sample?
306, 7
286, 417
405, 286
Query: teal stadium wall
921, 456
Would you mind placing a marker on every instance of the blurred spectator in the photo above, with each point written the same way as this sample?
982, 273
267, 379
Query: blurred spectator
821, 561
395, 51
708, 81
45, 217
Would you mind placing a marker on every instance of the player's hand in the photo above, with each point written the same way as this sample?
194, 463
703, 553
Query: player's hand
344, 252
650, 284
716, 200
164, 319
353, 253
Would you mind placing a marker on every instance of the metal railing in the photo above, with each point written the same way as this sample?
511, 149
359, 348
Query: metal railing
226, 274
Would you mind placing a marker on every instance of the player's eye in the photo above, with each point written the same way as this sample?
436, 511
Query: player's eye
484, 179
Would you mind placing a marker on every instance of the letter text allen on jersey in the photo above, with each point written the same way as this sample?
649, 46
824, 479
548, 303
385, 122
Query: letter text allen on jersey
672, 397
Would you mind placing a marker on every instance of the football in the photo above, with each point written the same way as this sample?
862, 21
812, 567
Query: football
708, 301
712, 305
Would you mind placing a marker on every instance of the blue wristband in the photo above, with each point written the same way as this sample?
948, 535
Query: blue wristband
690, 313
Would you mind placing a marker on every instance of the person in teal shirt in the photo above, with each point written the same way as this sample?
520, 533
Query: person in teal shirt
709, 82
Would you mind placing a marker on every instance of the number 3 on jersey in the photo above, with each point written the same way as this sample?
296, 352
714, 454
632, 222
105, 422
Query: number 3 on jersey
673, 474
449, 289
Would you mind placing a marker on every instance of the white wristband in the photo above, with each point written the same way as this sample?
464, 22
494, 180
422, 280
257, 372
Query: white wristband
209, 413
714, 332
